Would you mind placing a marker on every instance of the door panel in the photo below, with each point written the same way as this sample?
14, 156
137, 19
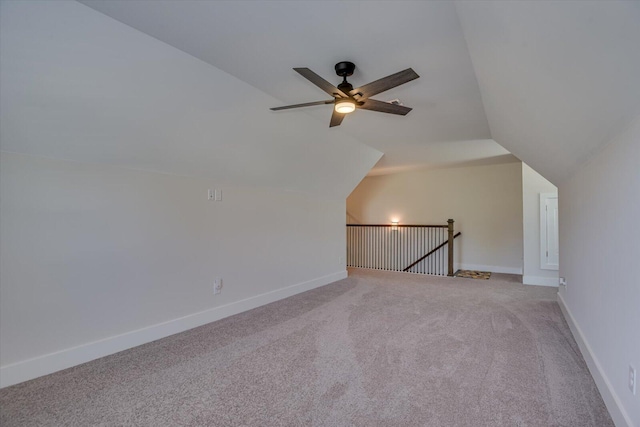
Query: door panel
549, 241
552, 233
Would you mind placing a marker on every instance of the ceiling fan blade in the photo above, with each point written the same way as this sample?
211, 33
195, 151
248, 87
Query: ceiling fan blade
306, 104
336, 119
384, 107
385, 83
320, 82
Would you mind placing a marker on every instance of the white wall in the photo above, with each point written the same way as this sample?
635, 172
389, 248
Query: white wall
532, 185
599, 254
110, 142
485, 201
93, 252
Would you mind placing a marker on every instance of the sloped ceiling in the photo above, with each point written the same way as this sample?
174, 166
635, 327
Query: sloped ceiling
549, 81
558, 78
80, 86
260, 42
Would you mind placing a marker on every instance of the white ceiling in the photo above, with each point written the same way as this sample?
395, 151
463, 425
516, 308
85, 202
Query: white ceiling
80, 86
558, 78
260, 42
550, 81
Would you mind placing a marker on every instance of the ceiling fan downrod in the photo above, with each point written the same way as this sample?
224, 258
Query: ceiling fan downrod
345, 69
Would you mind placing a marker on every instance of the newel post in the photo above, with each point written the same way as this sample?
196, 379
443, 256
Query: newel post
450, 248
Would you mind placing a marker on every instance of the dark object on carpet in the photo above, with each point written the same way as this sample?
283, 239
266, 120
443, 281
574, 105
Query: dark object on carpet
376, 349
473, 274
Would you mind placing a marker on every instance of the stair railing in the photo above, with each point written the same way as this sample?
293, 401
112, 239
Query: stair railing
394, 247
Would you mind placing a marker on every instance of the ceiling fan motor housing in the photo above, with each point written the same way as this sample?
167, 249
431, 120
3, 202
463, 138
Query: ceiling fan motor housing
345, 68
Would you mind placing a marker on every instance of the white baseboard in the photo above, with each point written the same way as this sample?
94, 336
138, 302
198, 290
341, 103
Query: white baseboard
611, 400
540, 281
49, 363
491, 268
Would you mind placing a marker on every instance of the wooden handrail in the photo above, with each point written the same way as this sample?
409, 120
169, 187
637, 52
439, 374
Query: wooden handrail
432, 251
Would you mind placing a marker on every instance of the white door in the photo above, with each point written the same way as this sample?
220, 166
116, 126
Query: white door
549, 247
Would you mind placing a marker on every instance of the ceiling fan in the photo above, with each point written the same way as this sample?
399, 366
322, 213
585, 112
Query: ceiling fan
346, 99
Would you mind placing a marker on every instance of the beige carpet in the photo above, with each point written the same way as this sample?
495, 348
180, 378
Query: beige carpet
376, 349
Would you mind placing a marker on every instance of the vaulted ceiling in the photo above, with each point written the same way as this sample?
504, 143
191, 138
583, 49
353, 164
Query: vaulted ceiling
260, 42
77, 85
558, 78
549, 81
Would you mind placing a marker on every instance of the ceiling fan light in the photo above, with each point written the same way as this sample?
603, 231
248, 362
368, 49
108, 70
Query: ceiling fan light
345, 106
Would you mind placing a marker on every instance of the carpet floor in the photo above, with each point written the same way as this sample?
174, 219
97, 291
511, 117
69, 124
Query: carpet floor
375, 349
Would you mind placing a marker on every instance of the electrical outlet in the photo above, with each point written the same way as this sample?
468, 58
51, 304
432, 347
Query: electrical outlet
632, 379
217, 286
